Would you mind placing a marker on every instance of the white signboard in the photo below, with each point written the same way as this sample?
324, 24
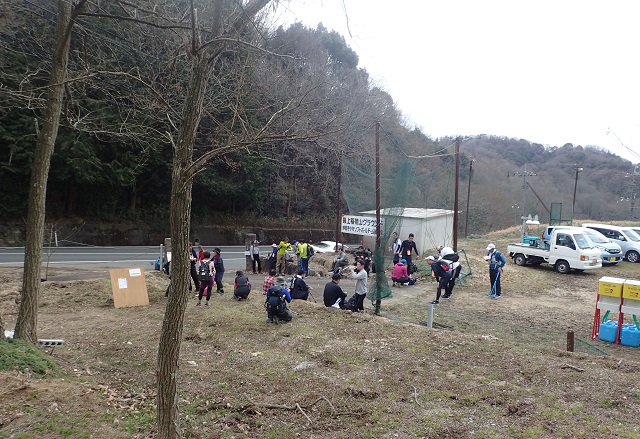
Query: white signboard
360, 225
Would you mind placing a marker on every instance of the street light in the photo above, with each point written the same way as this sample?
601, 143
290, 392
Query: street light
573, 205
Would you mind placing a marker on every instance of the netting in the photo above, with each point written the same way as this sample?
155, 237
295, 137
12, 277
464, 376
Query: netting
406, 181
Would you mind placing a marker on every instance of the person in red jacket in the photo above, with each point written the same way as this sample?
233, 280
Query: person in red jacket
400, 275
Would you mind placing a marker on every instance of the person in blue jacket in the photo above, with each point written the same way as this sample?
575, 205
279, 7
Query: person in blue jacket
496, 263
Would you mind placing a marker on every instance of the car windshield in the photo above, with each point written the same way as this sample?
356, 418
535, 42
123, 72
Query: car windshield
583, 241
321, 245
631, 235
597, 237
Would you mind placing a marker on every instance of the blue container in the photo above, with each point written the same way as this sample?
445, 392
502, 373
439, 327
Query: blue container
630, 336
608, 331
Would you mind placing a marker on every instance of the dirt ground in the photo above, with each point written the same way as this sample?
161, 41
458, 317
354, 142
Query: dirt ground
489, 368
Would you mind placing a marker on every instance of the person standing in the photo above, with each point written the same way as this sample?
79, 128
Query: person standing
407, 250
281, 262
396, 244
496, 263
360, 292
206, 274
219, 266
193, 258
273, 255
333, 295
303, 254
255, 255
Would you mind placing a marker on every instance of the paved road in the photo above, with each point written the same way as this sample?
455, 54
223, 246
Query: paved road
110, 257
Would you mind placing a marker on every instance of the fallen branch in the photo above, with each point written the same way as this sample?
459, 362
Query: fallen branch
415, 396
302, 411
569, 366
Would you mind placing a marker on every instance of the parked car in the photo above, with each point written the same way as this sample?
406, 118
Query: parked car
327, 247
611, 252
625, 237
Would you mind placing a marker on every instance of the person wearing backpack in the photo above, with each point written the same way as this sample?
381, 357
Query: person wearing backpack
241, 286
276, 302
206, 275
443, 273
300, 289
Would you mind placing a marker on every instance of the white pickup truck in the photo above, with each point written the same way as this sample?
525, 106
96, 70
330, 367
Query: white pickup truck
567, 248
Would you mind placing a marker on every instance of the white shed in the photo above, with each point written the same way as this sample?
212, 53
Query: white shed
431, 227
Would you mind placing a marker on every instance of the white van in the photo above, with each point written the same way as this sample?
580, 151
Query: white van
625, 237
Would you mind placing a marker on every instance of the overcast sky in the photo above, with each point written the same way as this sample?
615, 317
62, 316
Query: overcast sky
551, 72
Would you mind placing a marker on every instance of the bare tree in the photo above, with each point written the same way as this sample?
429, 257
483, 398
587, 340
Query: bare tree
26, 324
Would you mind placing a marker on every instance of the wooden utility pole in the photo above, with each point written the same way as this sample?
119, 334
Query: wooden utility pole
338, 207
466, 215
378, 249
455, 197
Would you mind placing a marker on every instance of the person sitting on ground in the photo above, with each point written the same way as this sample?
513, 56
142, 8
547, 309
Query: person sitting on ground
340, 261
363, 255
300, 289
269, 281
276, 302
241, 286
333, 294
400, 275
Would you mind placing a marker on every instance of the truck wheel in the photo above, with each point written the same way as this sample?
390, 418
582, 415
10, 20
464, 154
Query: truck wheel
633, 256
520, 260
562, 267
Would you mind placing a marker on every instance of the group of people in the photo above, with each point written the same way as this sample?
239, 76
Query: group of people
207, 269
277, 259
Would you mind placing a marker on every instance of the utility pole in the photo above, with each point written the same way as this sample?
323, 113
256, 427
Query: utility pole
338, 207
575, 187
466, 216
378, 250
524, 175
455, 197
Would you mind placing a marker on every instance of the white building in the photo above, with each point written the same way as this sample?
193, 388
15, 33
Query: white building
430, 227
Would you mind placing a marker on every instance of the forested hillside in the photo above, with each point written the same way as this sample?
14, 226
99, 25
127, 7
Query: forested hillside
113, 155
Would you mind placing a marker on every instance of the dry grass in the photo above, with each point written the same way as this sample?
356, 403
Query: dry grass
333, 374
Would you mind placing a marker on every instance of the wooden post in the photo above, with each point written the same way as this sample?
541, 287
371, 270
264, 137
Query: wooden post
570, 340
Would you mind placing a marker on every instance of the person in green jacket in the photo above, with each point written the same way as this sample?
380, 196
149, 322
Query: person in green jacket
281, 261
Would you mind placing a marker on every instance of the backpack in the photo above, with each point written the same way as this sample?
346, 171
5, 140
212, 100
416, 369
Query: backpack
453, 257
445, 268
310, 251
274, 302
204, 271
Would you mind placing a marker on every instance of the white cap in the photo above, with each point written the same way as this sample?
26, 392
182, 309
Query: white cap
491, 246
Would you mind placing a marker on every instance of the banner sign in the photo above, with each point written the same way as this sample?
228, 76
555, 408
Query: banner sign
360, 225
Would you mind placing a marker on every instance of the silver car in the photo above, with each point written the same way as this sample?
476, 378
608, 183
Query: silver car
611, 252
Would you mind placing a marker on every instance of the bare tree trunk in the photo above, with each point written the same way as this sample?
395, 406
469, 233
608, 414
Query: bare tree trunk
26, 324
1, 329
172, 326
182, 183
